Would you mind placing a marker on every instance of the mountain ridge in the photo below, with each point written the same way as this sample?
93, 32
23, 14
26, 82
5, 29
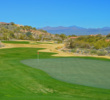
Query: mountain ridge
77, 30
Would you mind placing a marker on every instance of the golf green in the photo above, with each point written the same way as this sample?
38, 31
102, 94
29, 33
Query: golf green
83, 71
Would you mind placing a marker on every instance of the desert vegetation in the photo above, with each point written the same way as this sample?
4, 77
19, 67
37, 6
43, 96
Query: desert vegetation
91, 44
12, 31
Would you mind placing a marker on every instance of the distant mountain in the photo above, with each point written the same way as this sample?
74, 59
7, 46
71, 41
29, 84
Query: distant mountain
77, 30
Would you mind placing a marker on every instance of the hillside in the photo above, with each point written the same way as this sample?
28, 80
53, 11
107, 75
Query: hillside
15, 31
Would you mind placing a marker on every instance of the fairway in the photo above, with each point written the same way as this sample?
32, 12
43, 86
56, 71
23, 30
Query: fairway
82, 71
21, 82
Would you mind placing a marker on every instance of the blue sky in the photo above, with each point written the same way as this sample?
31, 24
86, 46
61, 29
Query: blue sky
41, 13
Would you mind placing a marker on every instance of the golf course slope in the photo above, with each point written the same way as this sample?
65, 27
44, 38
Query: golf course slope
19, 81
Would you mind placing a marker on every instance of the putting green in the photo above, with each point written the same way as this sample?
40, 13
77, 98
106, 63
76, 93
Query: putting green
88, 72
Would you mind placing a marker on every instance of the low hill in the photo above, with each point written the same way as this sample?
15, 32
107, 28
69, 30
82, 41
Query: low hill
15, 31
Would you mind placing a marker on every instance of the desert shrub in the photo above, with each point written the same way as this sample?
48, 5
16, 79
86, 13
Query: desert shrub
28, 34
93, 51
86, 51
63, 50
101, 53
72, 45
107, 49
78, 51
108, 36
108, 54
59, 41
73, 50
85, 45
67, 44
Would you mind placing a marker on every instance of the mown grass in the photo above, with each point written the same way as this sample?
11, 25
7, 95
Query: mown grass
81, 71
16, 42
21, 82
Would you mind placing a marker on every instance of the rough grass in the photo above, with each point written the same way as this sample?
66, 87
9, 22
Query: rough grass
20, 82
16, 42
